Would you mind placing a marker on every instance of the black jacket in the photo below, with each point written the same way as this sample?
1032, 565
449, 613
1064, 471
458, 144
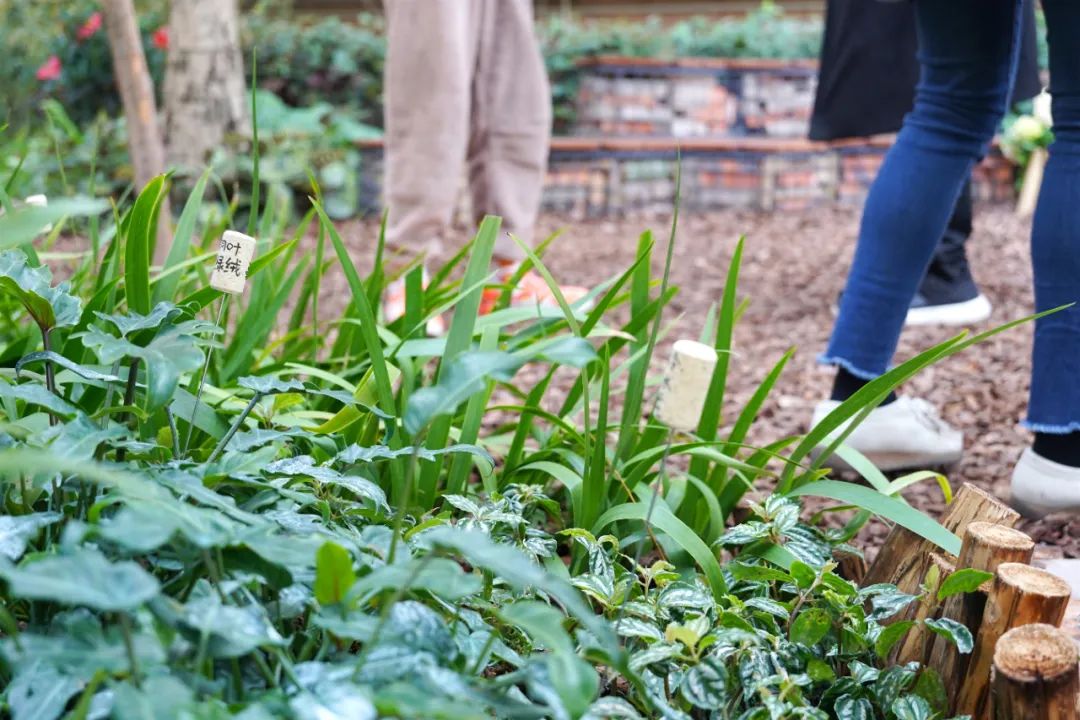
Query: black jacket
866, 82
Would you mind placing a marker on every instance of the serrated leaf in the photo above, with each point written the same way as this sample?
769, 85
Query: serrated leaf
82, 577
334, 574
133, 322
953, 631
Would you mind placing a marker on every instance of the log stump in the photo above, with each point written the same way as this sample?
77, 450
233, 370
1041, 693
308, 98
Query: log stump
986, 546
1020, 595
1035, 675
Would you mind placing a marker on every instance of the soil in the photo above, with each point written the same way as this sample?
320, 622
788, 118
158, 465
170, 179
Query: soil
794, 265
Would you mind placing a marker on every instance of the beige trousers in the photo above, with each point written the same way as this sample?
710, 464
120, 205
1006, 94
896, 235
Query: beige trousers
466, 90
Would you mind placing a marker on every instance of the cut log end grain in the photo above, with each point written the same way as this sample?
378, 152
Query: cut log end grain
988, 545
1034, 581
1036, 653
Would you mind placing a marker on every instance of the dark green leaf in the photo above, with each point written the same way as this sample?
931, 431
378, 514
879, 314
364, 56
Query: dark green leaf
804, 575
911, 707
705, 685
952, 631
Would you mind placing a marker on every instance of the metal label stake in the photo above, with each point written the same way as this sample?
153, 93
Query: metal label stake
230, 277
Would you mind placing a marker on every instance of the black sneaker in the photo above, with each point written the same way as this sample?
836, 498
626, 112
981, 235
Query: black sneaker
948, 294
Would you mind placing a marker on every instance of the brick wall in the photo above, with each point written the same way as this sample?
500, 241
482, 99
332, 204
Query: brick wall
695, 97
590, 178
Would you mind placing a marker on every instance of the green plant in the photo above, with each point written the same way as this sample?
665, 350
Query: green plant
328, 529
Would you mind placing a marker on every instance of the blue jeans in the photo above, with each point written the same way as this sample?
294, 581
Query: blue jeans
967, 50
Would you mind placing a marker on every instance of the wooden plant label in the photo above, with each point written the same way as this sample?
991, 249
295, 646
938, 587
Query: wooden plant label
233, 260
682, 397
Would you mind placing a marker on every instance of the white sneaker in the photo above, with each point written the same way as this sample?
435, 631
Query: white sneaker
906, 434
968, 312
1041, 487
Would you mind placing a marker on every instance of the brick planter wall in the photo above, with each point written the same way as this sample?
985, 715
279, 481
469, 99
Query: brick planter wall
695, 97
592, 177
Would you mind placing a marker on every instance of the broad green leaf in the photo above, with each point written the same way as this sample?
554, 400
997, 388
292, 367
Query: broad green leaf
161, 697
172, 352
952, 631
134, 322
931, 688
439, 576
227, 630
333, 574
849, 707
24, 224
811, 626
39, 692
50, 306
80, 438
963, 581
35, 394
911, 707
17, 530
575, 680
78, 647
270, 384
803, 574
705, 685
890, 635
82, 577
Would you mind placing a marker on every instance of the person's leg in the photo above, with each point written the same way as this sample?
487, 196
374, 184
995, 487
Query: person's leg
948, 294
511, 123
509, 143
966, 53
1047, 478
431, 53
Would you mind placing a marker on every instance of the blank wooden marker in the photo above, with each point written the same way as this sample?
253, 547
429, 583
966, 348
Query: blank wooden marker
682, 397
233, 260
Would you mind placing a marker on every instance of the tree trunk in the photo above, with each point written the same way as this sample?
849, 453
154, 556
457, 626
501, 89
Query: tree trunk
140, 109
205, 92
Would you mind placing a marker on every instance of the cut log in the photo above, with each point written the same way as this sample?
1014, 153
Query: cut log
1035, 675
916, 645
904, 558
986, 546
1021, 595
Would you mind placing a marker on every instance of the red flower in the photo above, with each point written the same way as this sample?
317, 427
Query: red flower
50, 69
161, 38
90, 27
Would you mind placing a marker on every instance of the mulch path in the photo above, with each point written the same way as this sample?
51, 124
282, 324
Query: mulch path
794, 265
